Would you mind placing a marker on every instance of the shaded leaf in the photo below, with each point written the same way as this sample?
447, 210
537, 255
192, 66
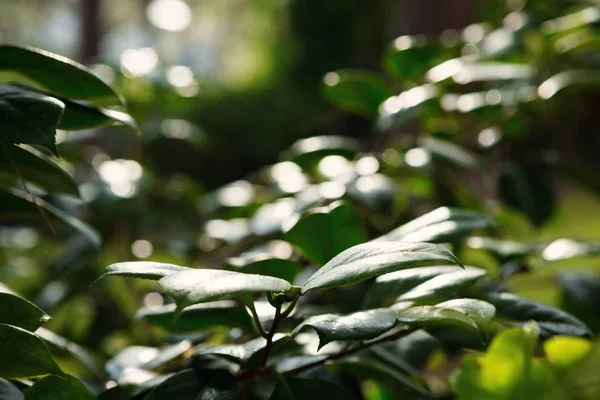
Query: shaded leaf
16, 311
389, 286
265, 264
302, 388
368, 260
197, 317
408, 57
29, 117
82, 356
445, 285
24, 355
362, 325
58, 388
356, 91
201, 285
551, 321
58, 74
325, 232
197, 385
8, 391
17, 205
242, 353
38, 169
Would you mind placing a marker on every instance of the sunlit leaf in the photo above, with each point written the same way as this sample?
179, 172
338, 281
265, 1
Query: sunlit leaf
143, 269
362, 325
446, 285
368, 260
566, 351
306, 152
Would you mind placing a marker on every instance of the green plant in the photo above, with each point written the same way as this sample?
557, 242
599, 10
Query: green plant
327, 273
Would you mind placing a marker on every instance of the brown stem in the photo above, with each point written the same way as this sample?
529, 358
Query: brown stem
269, 344
31, 196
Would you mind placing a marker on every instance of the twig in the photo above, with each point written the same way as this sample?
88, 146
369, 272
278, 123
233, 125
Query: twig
272, 331
346, 353
31, 196
256, 320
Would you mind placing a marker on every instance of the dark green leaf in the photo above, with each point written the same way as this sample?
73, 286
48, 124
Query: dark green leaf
201, 316
446, 285
551, 321
301, 389
58, 388
58, 74
18, 206
24, 355
57, 342
242, 353
389, 286
356, 91
28, 117
38, 169
15, 310
143, 269
325, 232
202, 285
450, 152
408, 57
371, 259
82, 116
197, 385
440, 225
362, 325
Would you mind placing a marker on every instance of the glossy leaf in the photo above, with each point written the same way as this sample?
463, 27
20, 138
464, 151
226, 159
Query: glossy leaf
201, 285
356, 91
306, 152
478, 310
450, 152
445, 285
368, 260
440, 225
408, 57
389, 286
362, 325
58, 388
29, 117
38, 169
16, 311
82, 116
17, 205
242, 353
81, 355
198, 317
58, 74
197, 385
325, 232
303, 388
143, 269
434, 316
265, 264
502, 249
551, 321
24, 355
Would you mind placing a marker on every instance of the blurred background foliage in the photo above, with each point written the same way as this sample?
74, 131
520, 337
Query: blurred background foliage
220, 88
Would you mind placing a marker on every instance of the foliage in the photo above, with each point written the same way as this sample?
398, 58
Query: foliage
347, 269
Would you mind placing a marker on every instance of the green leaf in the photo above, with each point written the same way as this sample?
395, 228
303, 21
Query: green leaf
580, 79
58, 388
446, 285
562, 249
302, 388
371, 259
203, 384
362, 325
434, 316
81, 355
450, 152
24, 355
143, 270
38, 169
440, 225
198, 317
17, 205
306, 152
8, 391
265, 264
389, 286
325, 232
15, 310
409, 57
551, 321
58, 74
478, 310
356, 91
565, 351
82, 116
243, 353
202, 285
29, 117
